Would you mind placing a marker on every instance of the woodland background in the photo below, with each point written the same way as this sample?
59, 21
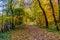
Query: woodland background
31, 12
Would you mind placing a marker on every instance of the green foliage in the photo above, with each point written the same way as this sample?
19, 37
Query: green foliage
5, 34
18, 11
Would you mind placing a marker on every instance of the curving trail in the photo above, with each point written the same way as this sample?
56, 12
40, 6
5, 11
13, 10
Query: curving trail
33, 33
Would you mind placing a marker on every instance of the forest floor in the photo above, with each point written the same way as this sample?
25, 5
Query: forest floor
33, 33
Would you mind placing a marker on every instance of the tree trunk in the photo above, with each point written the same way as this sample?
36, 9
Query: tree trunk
53, 14
59, 9
12, 13
43, 13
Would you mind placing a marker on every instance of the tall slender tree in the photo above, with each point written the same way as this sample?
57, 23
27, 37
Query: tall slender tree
43, 13
11, 9
12, 13
59, 9
53, 14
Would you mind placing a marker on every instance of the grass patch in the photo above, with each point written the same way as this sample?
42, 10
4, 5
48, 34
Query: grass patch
51, 30
5, 34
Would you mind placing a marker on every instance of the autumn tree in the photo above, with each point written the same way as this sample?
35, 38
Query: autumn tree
43, 13
53, 14
59, 9
9, 11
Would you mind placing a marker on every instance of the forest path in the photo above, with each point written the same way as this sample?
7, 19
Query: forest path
33, 33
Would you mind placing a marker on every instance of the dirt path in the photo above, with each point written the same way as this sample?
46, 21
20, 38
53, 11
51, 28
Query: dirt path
33, 33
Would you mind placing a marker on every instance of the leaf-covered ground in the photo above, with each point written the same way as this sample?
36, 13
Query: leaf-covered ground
33, 33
